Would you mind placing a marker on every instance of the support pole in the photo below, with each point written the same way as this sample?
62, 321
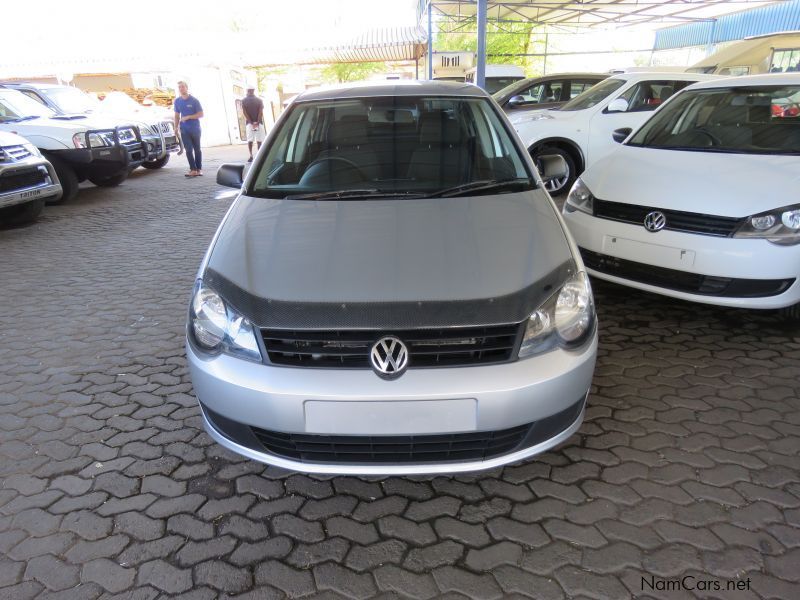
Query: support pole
430, 40
480, 72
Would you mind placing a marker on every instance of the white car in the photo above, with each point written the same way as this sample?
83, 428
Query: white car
702, 202
155, 125
79, 147
580, 130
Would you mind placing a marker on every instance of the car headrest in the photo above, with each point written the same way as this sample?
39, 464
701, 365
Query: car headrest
729, 115
348, 131
437, 127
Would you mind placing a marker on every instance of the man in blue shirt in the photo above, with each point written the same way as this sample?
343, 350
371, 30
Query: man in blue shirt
188, 113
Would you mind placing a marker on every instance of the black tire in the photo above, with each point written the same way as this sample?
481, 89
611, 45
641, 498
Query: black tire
68, 179
556, 188
158, 163
113, 181
22, 214
791, 313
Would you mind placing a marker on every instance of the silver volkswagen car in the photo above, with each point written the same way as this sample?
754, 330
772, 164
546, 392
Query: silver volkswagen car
392, 292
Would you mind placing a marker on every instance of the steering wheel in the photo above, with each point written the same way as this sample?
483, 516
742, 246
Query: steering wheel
353, 166
715, 141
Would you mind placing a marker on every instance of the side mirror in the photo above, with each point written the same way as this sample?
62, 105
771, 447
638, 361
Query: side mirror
517, 101
231, 175
620, 134
617, 105
552, 166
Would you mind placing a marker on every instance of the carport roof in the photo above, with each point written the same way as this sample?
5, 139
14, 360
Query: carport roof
592, 13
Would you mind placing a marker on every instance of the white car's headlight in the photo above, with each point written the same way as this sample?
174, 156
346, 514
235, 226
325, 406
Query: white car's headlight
579, 198
217, 327
779, 226
96, 140
565, 319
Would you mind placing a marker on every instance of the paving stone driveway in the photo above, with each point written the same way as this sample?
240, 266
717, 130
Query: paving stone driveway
687, 463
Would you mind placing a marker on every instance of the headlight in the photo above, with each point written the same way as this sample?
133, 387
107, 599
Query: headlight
565, 319
32, 149
96, 140
579, 198
217, 327
779, 226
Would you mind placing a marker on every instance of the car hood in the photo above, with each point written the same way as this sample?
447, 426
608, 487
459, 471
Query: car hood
730, 185
542, 116
392, 251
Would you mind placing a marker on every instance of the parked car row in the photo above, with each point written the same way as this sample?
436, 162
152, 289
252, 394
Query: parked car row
80, 139
700, 200
392, 292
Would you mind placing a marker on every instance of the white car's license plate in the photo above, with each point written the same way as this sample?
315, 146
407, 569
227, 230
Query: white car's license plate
388, 418
651, 254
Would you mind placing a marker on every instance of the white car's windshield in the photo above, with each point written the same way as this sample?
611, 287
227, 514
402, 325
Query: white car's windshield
121, 102
747, 120
15, 106
71, 100
391, 145
593, 95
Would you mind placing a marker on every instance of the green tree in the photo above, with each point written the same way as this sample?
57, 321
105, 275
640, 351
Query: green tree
344, 72
506, 43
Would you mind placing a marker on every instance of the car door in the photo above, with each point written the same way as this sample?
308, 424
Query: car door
631, 106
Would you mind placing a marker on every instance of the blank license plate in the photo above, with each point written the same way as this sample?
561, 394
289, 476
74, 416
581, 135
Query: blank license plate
391, 418
651, 254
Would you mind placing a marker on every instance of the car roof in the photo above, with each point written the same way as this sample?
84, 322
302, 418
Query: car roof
31, 84
655, 74
747, 80
367, 89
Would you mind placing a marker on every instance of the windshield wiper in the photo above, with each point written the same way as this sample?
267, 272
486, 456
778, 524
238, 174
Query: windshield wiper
355, 194
28, 118
480, 186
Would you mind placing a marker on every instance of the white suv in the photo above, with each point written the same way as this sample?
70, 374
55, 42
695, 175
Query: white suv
79, 147
581, 130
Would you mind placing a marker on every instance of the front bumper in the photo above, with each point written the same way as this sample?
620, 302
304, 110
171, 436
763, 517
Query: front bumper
106, 161
44, 185
278, 399
750, 264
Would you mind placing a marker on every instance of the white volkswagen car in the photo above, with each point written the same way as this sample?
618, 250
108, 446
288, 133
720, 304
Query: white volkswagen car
580, 130
702, 202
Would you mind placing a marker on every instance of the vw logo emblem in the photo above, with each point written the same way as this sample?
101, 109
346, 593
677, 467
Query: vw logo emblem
389, 357
655, 221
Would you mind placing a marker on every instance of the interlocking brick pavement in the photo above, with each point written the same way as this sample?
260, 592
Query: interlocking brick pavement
687, 462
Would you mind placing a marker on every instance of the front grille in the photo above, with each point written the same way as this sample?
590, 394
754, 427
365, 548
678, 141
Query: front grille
21, 181
392, 448
671, 279
427, 347
687, 222
167, 127
13, 153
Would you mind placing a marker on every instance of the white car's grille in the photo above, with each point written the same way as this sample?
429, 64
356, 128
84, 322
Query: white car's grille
10, 153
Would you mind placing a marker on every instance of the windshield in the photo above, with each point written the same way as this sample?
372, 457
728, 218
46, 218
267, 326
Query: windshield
71, 100
495, 84
395, 145
122, 102
747, 120
594, 95
15, 105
